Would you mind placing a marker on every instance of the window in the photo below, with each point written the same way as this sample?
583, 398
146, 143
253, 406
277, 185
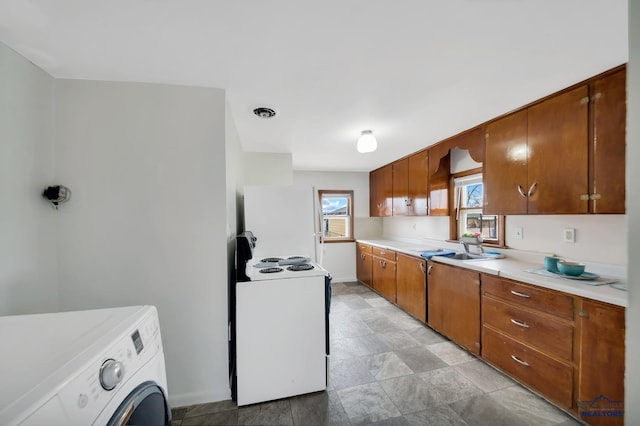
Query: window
468, 202
337, 215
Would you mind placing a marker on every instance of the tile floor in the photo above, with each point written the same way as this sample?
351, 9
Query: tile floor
389, 369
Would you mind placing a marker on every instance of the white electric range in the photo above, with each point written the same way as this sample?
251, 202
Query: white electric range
283, 267
281, 325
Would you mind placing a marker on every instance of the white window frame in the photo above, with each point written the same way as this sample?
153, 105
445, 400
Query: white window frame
462, 211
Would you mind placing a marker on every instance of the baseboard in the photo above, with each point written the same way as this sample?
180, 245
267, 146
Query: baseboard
343, 279
185, 399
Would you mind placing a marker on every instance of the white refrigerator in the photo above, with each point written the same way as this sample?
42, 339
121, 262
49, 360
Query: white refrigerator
284, 219
281, 328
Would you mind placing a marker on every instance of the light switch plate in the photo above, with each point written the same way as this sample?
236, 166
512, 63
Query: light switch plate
517, 233
569, 235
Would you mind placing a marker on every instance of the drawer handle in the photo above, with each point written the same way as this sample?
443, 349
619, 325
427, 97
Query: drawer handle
383, 263
519, 361
517, 293
520, 323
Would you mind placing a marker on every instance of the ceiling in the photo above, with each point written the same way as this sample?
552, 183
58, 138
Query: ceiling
413, 71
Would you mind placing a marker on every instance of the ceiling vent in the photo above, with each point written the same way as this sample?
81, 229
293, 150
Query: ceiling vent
264, 112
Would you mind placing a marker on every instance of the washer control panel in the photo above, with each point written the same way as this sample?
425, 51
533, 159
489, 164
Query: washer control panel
87, 394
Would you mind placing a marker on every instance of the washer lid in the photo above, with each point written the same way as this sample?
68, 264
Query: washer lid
41, 352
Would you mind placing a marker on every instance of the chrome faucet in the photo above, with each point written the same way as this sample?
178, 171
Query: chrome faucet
466, 247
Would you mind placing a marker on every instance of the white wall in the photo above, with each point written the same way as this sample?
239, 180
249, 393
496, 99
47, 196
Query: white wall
235, 164
147, 222
339, 258
265, 168
599, 238
28, 276
632, 384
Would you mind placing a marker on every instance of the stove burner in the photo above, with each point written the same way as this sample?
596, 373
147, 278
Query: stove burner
271, 259
300, 267
296, 257
270, 270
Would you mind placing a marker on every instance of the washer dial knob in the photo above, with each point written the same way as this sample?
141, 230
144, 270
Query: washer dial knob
111, 373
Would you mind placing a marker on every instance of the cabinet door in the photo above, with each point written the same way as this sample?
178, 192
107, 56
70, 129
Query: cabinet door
602, 358
400, 187
558, 146
381, 192
364, 264
439, 185
418, 164
411, 286
608, 144
454, 304
505, 165
384, 278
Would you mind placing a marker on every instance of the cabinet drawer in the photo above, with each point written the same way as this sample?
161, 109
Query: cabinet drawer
550, 377
364, 248
548, 301
535, 329
384, 253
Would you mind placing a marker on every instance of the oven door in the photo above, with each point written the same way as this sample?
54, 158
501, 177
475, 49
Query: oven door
145, 405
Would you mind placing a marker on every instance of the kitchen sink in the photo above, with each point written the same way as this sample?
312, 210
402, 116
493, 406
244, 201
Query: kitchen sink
472, 256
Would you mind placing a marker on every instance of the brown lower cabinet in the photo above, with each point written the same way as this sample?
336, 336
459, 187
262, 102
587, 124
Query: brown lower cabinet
601, 366
384, 273
569, 349
454, 304
364, 264
528, 332
411, 285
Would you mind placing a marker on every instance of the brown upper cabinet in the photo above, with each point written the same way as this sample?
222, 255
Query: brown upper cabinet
400, 187
536, 159
563, 155
410, 185
380, 191
418, 183
609, 112
440, 166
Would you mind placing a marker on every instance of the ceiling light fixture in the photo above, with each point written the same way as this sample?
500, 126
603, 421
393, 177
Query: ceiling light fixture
367, 142
264, 112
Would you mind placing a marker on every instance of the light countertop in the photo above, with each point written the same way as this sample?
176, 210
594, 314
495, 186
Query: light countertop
514, 266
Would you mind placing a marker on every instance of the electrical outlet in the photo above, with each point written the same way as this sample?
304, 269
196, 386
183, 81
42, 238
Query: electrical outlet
569, 235
517, 233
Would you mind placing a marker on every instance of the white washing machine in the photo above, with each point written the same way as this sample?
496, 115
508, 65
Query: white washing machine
95, 367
